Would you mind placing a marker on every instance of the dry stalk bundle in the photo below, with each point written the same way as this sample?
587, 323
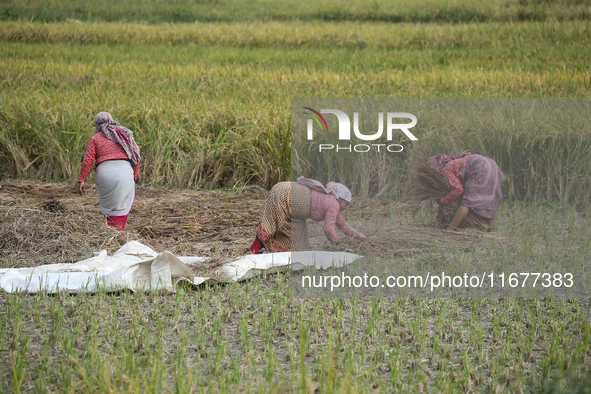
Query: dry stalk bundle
428, 184
446, 212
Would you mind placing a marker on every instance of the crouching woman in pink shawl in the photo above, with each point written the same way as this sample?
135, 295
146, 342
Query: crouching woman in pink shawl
477, 179
282, 227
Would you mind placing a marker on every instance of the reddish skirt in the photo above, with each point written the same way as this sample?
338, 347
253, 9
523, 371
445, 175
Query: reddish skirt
117, 221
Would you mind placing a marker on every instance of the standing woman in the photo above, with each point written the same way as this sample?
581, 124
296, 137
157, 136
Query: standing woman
117, 158
282, 227
477, 179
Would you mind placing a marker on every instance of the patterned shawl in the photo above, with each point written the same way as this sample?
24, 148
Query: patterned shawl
336, 189
441, 160
115, 132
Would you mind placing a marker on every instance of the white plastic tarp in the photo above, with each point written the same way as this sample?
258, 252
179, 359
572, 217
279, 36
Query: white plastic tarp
139, 268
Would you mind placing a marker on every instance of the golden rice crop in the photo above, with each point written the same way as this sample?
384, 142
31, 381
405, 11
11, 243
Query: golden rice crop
209, 103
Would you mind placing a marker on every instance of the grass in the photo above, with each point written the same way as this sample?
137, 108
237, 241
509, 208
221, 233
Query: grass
158, 11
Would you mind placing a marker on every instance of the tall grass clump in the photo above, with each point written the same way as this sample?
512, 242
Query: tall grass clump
217, 149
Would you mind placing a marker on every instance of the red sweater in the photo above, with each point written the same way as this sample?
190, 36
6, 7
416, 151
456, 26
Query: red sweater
100, 149
452, 173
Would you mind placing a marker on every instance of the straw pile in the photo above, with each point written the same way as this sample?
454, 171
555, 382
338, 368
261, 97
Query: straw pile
43, 223
49, 233
429, 183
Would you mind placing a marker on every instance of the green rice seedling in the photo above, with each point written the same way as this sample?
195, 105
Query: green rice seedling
270, 365
244, 335
18, 371
303, 330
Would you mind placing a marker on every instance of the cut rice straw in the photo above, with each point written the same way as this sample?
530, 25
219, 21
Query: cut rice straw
428, 184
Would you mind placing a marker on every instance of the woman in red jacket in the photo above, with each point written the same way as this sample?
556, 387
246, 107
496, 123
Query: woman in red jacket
117, 158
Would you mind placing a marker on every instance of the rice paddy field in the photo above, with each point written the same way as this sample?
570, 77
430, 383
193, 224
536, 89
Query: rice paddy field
206, 86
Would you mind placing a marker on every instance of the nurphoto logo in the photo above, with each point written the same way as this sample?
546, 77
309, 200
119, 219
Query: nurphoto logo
345, 130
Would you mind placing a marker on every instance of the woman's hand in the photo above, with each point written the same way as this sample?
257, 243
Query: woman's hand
81, 187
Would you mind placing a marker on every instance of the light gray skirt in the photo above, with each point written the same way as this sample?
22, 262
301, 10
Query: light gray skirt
115, 187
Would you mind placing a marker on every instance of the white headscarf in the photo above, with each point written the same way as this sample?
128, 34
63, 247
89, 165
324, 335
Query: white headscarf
336, 189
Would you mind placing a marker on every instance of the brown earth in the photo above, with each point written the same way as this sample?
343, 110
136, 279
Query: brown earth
43, 223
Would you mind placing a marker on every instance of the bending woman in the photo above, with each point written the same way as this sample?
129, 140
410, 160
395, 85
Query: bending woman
283, 228
478, 178
117, 158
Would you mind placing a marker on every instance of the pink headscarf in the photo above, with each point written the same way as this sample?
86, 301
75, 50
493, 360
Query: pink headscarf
441, 160
336, 189
115, 132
